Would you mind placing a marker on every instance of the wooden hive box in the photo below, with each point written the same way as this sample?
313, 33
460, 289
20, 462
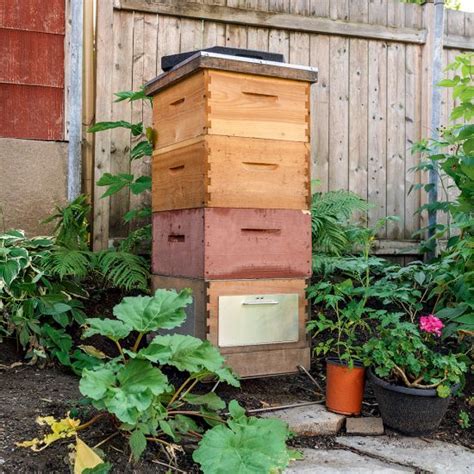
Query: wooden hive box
231, 133
224, 312
217, 243
221, 171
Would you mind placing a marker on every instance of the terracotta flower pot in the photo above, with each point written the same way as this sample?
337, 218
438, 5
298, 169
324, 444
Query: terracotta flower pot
344, 387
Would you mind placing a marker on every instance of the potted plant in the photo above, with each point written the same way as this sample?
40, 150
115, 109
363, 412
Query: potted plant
346, 304
345, 373
413, 377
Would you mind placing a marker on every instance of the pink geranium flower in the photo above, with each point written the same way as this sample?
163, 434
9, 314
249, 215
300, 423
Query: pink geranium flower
431, 324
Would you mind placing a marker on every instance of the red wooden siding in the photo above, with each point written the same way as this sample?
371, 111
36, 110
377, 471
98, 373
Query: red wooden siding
32, 69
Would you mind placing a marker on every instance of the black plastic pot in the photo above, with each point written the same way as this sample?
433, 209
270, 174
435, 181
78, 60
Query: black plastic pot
412, 411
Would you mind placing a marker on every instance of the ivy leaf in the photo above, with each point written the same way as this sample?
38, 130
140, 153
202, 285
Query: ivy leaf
110, 328
248, 445
137, 444
135, 128
103, 468
164, 310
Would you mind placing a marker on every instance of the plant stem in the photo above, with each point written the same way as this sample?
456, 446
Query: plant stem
157, 440
106, 439
137, 342
194, 413
119, 347
180, 389
90, 422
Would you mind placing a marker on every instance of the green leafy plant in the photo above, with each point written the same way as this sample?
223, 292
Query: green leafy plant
451, 4
35, 307
245, 444
144, 138
400, 353
42, 284
71, 257
452, 158
331, 215
133, 388
464, 420
343, 308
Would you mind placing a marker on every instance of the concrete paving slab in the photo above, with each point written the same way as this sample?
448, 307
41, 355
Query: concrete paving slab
368, 426
339, 461
309, 420
434, 456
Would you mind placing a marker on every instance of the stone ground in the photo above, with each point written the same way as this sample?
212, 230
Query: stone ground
373, 453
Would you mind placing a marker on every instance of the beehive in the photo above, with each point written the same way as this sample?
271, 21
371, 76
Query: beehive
214, 171
217, 243
277, 342
231, 192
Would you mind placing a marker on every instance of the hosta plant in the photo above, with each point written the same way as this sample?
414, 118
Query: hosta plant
35, 306
133, 387
409, 355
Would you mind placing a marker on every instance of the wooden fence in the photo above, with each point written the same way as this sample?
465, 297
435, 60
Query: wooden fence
370, 106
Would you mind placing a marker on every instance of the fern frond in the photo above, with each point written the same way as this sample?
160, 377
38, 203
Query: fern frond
341, 204
72, 227
138, 238
123, 269
330, 219
64, 262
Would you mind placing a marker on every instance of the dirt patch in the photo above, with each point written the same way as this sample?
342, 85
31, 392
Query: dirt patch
27, 392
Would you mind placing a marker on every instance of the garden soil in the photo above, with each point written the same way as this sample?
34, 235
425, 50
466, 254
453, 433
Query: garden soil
27, 392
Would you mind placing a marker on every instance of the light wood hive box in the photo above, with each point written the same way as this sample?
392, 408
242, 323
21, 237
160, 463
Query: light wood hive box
230, 199
231, 134
259, 359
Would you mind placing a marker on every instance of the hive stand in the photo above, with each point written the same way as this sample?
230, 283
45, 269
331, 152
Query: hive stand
231, 195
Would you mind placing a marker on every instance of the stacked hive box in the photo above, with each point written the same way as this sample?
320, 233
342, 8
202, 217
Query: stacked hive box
231, 193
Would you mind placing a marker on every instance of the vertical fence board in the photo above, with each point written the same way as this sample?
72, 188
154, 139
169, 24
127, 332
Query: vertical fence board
412, 135
338, 113
378, 12
320, 8
213, 34
395, 138
319, 57
120, 146
358, 85
359, 11
191, 35
105, 70
377, 131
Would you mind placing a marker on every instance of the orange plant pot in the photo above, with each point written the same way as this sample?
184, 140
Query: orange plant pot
344, 387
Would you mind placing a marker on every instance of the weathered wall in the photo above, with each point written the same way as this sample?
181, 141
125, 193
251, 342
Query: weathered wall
32, 182
370, 106
32, 69
32, 108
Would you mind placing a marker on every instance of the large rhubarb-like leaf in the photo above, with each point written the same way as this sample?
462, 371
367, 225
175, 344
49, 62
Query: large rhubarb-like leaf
164, 310
245, 446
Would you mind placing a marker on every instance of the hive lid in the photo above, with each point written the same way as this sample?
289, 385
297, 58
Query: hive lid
225, 62
172, 60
